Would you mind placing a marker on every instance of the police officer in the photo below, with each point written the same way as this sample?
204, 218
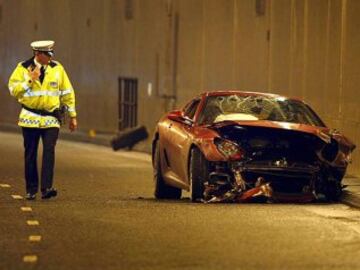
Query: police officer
42, 87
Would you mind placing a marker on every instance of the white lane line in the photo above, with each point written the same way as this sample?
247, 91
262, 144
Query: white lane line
5, 186
32, 222
35, 238
17, 197
26, 209
30, 258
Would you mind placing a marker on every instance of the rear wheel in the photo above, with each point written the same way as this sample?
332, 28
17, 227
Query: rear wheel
162, 190
198, 173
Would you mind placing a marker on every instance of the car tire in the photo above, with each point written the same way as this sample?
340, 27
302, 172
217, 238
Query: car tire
333, 190
198, 174
162, 190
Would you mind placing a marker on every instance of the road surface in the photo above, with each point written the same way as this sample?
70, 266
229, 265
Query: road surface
105, 217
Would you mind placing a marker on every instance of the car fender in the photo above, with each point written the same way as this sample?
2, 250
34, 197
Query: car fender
204, 140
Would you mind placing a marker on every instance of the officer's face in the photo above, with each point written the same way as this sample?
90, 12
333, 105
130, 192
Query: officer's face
43, 58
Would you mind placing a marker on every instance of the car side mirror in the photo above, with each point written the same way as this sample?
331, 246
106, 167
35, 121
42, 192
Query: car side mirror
175, 116
334, 131
178, 116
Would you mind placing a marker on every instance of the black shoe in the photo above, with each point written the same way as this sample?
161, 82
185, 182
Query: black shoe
48, 193
30, 196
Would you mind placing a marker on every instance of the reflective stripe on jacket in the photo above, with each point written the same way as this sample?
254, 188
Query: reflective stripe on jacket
55, 90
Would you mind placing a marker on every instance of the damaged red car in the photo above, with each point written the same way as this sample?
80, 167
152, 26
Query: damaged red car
233, 146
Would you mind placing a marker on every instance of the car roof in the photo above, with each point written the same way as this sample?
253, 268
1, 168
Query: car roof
246, 93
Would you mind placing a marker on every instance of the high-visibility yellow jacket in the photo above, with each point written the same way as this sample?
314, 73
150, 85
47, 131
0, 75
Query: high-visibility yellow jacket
55, 90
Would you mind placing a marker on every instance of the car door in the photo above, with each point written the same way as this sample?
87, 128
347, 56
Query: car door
179, 139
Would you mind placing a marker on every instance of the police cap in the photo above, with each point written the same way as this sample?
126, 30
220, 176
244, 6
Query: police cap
45, 46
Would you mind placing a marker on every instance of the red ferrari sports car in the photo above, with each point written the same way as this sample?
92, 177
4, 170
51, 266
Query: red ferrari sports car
233, 146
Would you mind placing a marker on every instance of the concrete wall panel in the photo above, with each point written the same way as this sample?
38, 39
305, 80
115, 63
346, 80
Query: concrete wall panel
191, 44
351, 77
151, 46
251, 46
332, 96
316, 52
280, 38
297, 49
352, 62
218, 55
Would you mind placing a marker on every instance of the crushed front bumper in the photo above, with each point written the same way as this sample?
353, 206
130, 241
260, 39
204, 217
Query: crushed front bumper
262, 181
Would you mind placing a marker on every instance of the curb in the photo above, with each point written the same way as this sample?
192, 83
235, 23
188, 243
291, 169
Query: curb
80, 136
351, 199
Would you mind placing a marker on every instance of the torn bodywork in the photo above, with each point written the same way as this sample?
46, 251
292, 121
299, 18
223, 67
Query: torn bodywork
277, 165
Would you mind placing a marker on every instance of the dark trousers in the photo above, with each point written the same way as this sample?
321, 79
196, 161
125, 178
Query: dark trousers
32, 137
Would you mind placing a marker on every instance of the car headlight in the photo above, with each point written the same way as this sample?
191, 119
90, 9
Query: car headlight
229, 149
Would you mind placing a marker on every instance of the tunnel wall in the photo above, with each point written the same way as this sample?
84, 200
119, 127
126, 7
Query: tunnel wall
179, 48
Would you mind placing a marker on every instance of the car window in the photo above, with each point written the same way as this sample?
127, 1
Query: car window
250, 108
190, 110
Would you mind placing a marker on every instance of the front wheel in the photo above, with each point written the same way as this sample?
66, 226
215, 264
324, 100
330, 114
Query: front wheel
333, 190
162, 190
198, 173
330, 186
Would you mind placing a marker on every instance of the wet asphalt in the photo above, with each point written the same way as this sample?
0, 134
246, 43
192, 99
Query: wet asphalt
105, 217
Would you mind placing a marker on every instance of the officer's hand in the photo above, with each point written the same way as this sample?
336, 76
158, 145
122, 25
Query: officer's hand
73, 124
34, 74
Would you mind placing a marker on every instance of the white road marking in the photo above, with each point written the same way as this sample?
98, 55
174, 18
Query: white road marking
35, 238
32, 222
26, 209
5, 186
17, 197
30, 258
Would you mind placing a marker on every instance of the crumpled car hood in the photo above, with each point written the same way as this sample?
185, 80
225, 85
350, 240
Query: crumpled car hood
322, 132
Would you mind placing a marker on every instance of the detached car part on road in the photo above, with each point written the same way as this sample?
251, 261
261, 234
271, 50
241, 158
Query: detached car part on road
232, 146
